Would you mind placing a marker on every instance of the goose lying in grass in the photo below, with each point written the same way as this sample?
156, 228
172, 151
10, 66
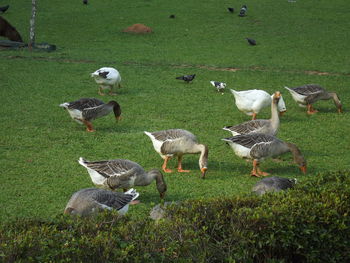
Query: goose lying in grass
107, 78
261, 126
177, 142
308, 94
273, 184
87, 109
121, 173
257, 146
252, 101
92, 200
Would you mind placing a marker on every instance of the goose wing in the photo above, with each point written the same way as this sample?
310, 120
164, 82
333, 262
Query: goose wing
116, 167
251, 140
309, 89
172, 134
85, 103
111, 199
249, 126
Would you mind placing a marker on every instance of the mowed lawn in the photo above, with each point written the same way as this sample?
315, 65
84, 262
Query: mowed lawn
298, 43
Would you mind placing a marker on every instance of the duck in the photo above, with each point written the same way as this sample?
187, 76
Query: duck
269, 126
258, 147
122, 173
273, 184
107, 78
177, 142
310, 93
252, 101
88, 201
85, 110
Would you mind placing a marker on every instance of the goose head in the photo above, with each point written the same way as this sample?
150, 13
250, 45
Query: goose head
203, 160
298, 157
116, 109
160, 182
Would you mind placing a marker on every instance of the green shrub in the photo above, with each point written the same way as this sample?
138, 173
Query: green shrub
309, 223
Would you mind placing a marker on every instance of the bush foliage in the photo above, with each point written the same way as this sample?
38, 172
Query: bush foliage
309, 223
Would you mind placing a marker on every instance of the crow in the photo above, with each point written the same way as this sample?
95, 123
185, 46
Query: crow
172, 16
3, 9
187, 78
251, 41
231, 9
85, 2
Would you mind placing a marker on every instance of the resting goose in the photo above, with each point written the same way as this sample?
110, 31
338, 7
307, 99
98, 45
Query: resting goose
121, 173
87, 109
107, 78
273, 184
261, 126
308, 94
177, 142
257, 146
252, 101
92, 200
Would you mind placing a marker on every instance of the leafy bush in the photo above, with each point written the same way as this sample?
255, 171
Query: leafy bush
309, 223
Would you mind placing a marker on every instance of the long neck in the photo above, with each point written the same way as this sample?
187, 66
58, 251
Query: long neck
116, 108
160, 182
297, 156
275, 120
335, 98
203, 158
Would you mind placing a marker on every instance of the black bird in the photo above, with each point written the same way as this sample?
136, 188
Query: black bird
231, 9
172, 16
243, 11
251, 41
3, 9
85, 2
273, 184
187, 78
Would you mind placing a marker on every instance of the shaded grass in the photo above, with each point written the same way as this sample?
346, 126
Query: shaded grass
40, 144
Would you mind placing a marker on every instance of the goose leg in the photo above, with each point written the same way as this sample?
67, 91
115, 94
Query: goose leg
88, 125
111, 91
166, 170
254, 116
254, 172
179, 165
100, 91
310, 109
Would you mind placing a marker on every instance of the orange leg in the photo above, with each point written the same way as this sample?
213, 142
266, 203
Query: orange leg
100, 91
310, 109
254, 172
88, 125
254, 116
179, 165
166, 170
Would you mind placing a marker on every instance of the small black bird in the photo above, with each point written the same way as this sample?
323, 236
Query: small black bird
172, 16
231, 9
3, 9
187, 78
85, 2
251, 41
243, 11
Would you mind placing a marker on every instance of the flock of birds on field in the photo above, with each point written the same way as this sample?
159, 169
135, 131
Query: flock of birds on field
254, 140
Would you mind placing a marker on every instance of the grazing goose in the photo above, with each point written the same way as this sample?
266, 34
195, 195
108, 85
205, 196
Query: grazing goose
308, 94
121, 173
107, 78
220, 86
273, 184
252, 101
261, 126
177, 142
92, 200
257, 146
85, 110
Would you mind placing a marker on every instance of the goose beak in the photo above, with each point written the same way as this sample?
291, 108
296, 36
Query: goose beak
303, 169
162, 195
340, 110
204, 171
118, 118
282, 113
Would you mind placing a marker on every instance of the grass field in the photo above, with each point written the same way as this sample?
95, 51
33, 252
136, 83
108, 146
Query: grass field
298, 43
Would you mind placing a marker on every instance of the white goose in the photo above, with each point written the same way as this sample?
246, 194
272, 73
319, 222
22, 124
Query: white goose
107, 78
308, 94
85, 110
92, 200
177, 142
121, 173
257, 146
260, 126
252, 101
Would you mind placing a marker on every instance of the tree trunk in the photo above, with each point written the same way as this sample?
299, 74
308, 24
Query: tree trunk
32, 26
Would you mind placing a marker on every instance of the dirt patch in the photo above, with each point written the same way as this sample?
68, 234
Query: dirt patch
138, 29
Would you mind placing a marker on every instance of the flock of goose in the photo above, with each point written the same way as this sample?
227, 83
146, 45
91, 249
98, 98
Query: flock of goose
255, 140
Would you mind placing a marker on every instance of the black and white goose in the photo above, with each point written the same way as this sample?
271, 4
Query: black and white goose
85, 110
92, 200
257, 146
269, 126
107, 78
220, 86
121, 173
308, 94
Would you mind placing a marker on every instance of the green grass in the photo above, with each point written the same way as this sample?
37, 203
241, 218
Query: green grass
40, 144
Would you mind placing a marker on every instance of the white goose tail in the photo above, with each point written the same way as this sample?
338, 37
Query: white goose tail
132, 192
149, 134
212, 83
82, 162
64, 105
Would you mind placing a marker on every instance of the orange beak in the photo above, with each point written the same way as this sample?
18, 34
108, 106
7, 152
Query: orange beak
303, 169
162, 195
282, 113
118, 118
340, 110
204, 171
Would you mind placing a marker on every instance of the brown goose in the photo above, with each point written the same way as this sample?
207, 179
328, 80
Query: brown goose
261, 126
257, 146
177, 142
92, 200
121, 173
85, 110
308, 94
